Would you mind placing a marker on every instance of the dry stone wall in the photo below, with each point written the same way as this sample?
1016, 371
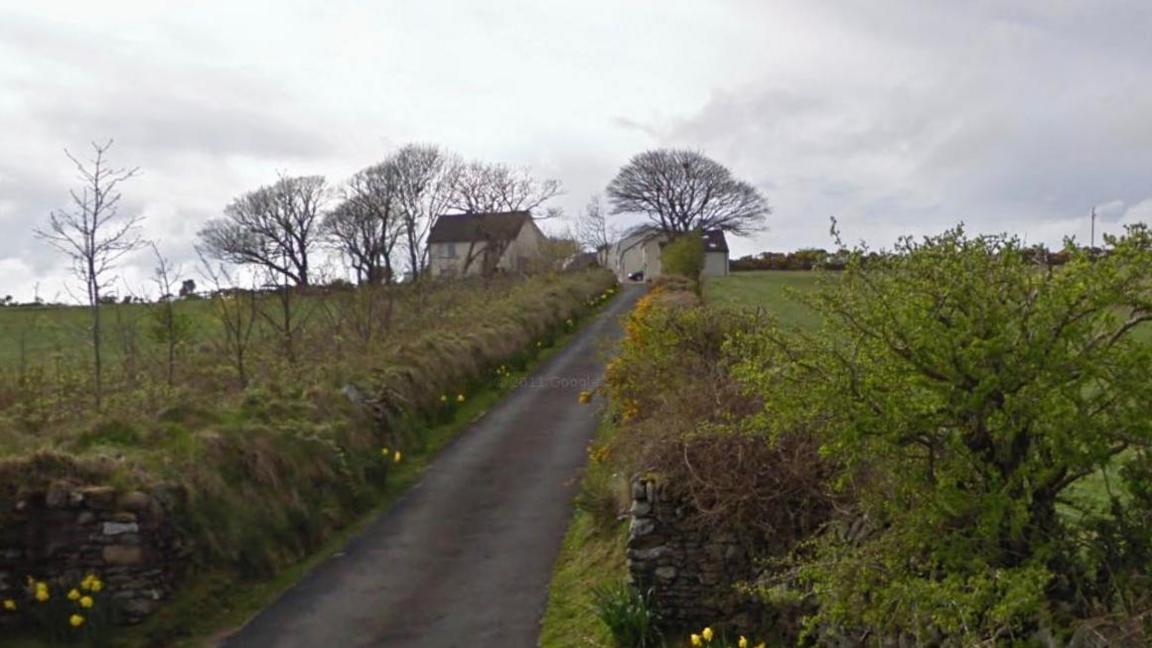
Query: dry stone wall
65, 532
688, 572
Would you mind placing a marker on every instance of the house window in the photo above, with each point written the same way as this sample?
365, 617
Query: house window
450, 250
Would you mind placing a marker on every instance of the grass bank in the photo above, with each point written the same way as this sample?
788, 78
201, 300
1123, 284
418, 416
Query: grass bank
214, 603
275, 476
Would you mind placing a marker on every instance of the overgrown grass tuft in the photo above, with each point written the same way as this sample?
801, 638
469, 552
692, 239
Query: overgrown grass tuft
630, 618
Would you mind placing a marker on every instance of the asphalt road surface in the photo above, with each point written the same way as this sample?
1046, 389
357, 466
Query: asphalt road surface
464, 558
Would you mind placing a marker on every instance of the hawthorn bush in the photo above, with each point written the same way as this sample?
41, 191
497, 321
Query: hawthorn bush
988, 417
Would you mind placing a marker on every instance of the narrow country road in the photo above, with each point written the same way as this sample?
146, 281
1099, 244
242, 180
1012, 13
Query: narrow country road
465, 557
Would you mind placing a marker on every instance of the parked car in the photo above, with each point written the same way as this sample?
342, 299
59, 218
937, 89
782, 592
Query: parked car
636, 276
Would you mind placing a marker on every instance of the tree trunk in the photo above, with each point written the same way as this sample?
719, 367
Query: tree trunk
94, 304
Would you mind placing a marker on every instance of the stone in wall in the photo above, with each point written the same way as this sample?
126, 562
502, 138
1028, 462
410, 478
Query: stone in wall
67, 531
689, 572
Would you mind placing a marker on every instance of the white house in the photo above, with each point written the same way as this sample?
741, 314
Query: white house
472, 244
639, 252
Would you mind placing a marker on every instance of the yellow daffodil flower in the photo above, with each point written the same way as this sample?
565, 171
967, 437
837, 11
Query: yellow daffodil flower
75, 620
397, 457
86, 602
707, 634
443, 398
42, 595
696, 640
96, 585
384, 452
743, 643
761, 645
459, 398
10, 605
74, 595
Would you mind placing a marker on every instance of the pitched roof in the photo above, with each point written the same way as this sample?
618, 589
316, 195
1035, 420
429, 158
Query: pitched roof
714, 241
500, 226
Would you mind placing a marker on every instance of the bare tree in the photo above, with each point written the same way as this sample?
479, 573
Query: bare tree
93, 236
283, 315
486, 248
484, 187
367, 224
681, 191
426, 177
236, 309
274, 227
170, 328
594, 232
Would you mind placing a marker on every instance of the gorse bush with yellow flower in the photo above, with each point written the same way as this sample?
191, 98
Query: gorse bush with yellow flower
686, 420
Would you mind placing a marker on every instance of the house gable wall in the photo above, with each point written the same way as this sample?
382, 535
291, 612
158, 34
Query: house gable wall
715, 264
522, 250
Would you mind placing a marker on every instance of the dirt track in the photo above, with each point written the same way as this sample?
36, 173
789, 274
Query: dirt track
465, 557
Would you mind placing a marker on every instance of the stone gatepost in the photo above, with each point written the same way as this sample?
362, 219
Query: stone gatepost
689, 572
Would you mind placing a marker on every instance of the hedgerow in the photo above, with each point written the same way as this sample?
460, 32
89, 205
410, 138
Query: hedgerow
964, 395
956, 455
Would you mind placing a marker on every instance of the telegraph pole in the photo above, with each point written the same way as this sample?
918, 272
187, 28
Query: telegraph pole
1093, 228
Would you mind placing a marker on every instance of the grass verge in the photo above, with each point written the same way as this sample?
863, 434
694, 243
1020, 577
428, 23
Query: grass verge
592, 556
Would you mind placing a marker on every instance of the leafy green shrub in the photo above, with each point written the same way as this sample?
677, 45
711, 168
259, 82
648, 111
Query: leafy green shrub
632, 622
962, 392
684, 256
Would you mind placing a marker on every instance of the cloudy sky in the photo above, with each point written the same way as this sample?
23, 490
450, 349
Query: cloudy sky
896, 117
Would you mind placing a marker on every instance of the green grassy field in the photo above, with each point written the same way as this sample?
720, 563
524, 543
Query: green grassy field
774, 291
34, 333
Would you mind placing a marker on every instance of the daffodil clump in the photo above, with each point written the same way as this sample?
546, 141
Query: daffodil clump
59, 610
503, 376
602, 297
447, 400
706, 636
